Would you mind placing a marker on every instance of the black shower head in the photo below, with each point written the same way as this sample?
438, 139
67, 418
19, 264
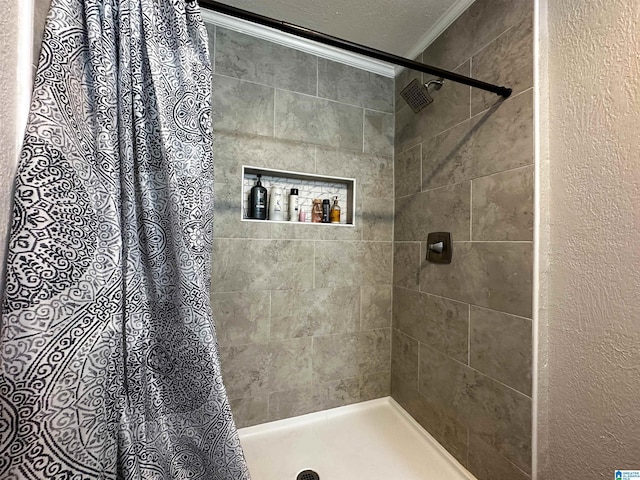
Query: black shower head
416, 94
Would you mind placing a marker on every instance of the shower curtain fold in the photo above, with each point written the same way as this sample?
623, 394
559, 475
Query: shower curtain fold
109, 362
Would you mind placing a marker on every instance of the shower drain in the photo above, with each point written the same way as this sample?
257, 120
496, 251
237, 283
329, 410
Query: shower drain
308, 475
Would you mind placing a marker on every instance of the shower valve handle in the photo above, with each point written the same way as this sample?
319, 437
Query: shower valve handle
436, 247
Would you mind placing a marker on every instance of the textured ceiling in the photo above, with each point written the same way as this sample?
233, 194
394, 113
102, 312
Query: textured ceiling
395, 26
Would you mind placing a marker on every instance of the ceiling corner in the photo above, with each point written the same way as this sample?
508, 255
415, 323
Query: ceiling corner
450, 16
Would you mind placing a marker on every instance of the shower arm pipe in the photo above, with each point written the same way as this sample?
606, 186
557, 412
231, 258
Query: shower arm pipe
350, 46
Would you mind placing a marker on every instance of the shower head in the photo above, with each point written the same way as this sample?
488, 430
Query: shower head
416, 94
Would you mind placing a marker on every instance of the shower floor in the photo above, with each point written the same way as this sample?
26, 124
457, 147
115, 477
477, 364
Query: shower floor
374, 440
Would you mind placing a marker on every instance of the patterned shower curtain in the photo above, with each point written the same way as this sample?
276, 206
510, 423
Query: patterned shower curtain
109, 362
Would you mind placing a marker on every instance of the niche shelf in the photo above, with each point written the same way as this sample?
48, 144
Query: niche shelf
309, 186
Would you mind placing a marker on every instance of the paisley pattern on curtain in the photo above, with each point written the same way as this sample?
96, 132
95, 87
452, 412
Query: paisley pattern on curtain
109, 360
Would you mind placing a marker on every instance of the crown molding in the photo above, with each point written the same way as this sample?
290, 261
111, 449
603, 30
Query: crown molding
450, 16
298, 43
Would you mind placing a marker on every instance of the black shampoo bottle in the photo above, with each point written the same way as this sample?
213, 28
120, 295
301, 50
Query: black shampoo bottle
258, 201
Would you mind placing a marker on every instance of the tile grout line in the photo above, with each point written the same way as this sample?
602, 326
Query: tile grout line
469, 335
471, 211
215, 46
363, 122
455, 301
275, 92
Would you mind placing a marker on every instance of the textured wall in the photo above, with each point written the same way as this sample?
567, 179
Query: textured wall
461, 346
303, 312
13, 107
18, 21
594, 211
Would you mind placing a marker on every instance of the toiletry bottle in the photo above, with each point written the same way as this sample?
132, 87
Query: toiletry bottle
335, 211
326, 210
258, 201
293, 205
316, 211
276, 204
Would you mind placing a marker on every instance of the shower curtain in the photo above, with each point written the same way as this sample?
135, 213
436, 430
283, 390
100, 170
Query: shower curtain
109, 362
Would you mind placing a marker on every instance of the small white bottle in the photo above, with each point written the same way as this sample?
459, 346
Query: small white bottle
276, 204
293, 205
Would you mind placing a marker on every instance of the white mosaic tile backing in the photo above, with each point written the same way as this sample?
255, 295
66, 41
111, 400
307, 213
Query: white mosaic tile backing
307, 191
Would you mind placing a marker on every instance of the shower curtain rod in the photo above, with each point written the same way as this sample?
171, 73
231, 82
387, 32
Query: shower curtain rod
352, 47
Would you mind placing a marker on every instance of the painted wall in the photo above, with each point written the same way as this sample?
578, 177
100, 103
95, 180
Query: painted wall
591, 100
303, 312
461, 349
11, 112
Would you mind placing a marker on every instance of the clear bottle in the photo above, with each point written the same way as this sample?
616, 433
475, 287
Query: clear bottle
316, 211
335, 211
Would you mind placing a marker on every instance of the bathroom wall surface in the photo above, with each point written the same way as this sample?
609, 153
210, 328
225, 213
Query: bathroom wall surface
589, 411
303, 312
461, 341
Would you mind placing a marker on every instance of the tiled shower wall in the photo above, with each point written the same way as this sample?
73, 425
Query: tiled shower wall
303, 312
461, 354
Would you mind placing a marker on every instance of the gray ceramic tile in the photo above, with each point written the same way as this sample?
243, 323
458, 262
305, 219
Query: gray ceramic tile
242, 106
440, 323
242, 265
499, 415
291, 364
322, 311
444, 209
404, 358
450, 107
308, 231
352, 263
454, 46
407, 133
351, 85
374, 173
375, 385
40, 12
407, 172
211, 41
406, 264
318, 121
227, 211
497, 140
340, 392
378, 133
256, 60
502, 206
377, 219
403, 79
492, 275
375, 311
450, 433
487, 464
234, 150
241, 317
507, 61
351, 355
250, 411
246, 370
491, 18
335, 357
501, 347
374, 351
290, 403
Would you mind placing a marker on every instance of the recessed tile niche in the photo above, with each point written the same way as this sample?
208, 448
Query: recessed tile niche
309, 187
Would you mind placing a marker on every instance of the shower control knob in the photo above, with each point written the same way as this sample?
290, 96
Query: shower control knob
437, 247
